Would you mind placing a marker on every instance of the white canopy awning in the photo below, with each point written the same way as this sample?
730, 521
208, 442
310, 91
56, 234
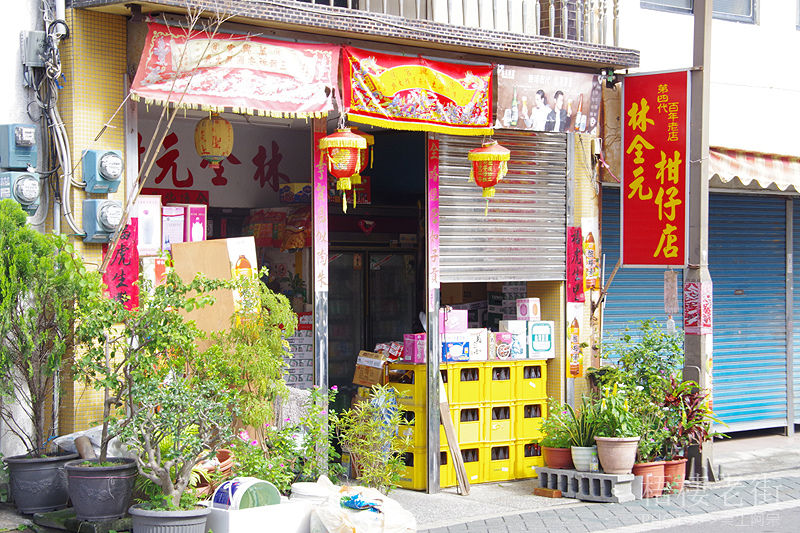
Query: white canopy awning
767, 170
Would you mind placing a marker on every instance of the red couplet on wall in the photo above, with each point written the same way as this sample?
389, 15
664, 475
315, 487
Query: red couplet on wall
655, 169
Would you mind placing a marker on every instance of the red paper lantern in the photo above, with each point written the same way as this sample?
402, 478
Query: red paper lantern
213, 139
343, 152
366, 155
489, 165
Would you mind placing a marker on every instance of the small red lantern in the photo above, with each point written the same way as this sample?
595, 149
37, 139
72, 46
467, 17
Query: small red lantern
213, 139
366, 155
489, 165
343, 151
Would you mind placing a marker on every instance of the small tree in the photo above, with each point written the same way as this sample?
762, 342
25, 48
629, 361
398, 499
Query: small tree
42, 280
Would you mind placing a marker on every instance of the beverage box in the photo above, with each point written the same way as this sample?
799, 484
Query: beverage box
370, 369
478, 344
195, 221
529, 309
455, 347
500, 345
148, 214
173, 221
519, 332
414, 348
453, 321
541, 343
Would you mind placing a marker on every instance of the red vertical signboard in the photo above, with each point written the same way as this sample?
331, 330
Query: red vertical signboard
655, 169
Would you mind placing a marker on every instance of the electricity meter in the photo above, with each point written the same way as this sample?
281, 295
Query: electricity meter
18, 146
101, 219
23, 187
102, 170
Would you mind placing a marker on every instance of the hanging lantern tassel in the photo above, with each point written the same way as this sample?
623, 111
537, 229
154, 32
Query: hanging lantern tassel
489, 166
343, 149
365, 156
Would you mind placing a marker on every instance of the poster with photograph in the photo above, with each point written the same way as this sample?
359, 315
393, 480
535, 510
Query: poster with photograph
547, 100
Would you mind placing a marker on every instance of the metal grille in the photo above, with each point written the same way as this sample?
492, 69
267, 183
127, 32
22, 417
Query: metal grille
523, 236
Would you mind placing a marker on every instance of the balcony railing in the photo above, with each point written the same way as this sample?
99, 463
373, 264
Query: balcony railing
578, 20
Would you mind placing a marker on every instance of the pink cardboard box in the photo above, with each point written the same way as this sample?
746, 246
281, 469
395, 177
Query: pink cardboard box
195, 221
414, 348
453, 321
529, 309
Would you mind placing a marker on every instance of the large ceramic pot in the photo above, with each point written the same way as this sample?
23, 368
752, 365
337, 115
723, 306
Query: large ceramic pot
39, 484
192, 521
675, 474
582, 457
652, 478
617, 454
100, 493
557, 457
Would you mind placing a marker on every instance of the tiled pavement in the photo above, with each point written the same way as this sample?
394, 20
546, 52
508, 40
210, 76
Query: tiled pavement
757, 498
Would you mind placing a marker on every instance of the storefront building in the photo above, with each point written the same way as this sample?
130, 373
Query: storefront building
418, 233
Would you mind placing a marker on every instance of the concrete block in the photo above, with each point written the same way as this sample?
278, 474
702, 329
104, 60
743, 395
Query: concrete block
558, 479
604, 488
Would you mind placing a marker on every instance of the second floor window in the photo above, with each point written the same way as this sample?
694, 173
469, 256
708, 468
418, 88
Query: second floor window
738, 10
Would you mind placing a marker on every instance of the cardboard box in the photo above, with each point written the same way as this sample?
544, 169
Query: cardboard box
195, 221
458, 293
453, 321
500, 345
541, 340
529, 309
173, 223
370, 369
414, 348
295, 193
478, 344
148, 213
455, 347
519, 332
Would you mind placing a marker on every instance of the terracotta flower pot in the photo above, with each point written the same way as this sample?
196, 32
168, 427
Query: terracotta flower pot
617, 454
557, 458
675, 474
652, 478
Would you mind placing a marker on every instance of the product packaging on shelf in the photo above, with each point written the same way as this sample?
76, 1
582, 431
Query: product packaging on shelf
452, 321
455, 347
414, 348
519, 332
370, 369
541, 340
529, 309
500, 345
478, 344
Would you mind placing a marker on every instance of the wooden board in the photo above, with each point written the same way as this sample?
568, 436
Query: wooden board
452, 441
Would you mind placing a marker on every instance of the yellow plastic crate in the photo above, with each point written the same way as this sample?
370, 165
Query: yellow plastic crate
473, 458
410, 382
499, 381
414, 475
447, 471
467, 383
528, 416
498, 422
530, 380
499, 461
415, 426
528, 456
468, 423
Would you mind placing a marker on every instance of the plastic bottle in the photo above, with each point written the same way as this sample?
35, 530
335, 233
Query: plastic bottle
514, 109
242, 267
594, 463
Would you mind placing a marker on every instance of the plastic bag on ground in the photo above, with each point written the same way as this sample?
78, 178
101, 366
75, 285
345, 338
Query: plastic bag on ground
115, 446
382, 515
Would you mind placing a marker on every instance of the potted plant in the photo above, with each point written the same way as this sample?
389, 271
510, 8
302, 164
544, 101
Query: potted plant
369, 432
42, 281
650, 450
582, 427
555, 441
618, 432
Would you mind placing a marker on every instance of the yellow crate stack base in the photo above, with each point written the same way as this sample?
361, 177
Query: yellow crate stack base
414, 475
527, 457
474, 461
499, 460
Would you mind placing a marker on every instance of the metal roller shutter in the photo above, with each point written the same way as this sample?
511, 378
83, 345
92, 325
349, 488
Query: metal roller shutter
747, 261
796, 308
523, 237
636, 293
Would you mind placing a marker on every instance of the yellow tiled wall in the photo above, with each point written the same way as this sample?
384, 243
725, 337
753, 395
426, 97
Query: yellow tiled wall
94, 64
552, 295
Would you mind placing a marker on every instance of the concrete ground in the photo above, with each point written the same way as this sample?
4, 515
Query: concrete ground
757, 468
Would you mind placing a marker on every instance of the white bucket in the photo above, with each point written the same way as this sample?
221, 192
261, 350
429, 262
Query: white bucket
311, 492
244, 493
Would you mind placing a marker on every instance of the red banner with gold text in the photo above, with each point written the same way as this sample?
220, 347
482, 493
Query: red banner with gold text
655, 169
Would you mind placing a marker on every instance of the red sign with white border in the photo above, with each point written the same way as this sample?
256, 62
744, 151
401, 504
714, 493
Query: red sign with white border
655, 169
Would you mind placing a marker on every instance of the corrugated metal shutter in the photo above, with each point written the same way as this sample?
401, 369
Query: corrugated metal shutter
523, 238
747, 261
635, 293
796, 309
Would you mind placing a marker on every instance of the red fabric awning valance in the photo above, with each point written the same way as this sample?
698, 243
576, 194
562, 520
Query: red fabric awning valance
765, 169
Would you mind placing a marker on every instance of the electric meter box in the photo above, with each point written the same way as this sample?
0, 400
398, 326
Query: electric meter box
22, 187
100, 219
18, 146
102, 170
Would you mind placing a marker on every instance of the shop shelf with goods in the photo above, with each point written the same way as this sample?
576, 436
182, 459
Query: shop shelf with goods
527, 457
498, 461
530, 381
528, 417
499, 383
498, 421
414, 475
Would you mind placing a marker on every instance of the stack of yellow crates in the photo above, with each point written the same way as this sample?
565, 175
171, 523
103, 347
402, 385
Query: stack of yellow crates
497, 409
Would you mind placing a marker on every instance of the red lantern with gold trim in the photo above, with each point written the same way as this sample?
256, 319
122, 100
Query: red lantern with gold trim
343, 152
489, 165
365, 157
213, 139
